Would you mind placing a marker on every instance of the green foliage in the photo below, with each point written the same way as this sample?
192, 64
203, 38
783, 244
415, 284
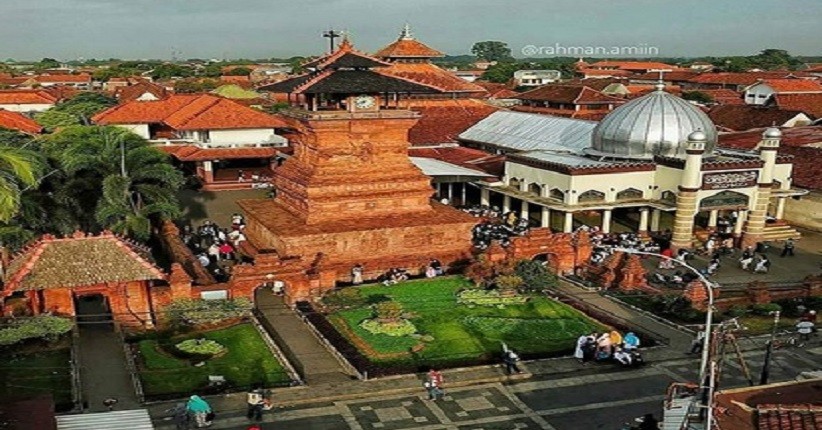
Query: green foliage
737, 311
344, 298
501, 73
54, 119
43, 327
20, 169
473, 297
401, 327
483, 271
673, 307
521, 329
169, 70
77, 110
388, 311
47, 63
189, 86
47, 371
14, 138
492, 50
239, 71
197, 312
200, 347
765, 308
698, 96
535, 276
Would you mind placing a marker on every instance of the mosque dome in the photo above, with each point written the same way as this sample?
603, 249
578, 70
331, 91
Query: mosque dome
772, 133
657, 123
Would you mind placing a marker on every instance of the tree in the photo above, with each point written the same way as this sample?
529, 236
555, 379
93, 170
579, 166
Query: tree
14, 138
239, 71
492, 50
535, 275
501, 72
19, 169
188, 86
508, 285
168, 71
698, 96
77, 110
54, 119
138, 182
47, 63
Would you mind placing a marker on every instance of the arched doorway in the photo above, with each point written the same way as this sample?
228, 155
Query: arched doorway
92, 308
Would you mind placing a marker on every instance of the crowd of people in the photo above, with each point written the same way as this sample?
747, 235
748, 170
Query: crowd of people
609, 347
257, 179
215, 247
501, 230
604, 243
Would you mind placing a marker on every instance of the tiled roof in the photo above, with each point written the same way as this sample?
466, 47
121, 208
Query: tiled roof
345, 56
672, 76
442, 121
793, 85
632, 65
25, 97
570, 94
19, 122
195, 153
810, 103
741, 78
190, 112
724, 96
641, 89
433, 76
745, 117
497, 91
607, 73
466, 157
804, 143
586, 114
407, 48
78, 261
63, 78
133, 92
789, 417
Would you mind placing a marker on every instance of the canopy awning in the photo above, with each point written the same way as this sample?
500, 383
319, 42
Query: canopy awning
137, 419
438, 168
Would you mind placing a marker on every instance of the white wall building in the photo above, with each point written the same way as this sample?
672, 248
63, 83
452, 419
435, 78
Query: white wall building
535, 78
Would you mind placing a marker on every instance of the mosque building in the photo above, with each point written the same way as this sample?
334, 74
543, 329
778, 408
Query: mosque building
651, 164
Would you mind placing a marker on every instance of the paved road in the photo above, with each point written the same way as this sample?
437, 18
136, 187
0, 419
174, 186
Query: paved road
594, 397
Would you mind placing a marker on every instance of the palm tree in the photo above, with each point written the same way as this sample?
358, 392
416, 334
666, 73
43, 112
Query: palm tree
19, 169
138, 182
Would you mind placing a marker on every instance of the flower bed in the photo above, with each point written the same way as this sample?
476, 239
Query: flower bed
488, 298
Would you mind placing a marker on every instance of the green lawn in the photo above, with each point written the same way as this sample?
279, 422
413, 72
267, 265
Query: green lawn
247, 361
47, 371
541, 326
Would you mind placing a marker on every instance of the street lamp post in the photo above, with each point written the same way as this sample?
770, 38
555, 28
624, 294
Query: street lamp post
706, 345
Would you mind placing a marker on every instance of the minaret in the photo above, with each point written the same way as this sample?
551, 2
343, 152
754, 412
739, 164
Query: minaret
406, 34
768, 148
686, 199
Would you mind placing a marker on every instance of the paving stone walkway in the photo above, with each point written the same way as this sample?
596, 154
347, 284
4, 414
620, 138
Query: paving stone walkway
103, 370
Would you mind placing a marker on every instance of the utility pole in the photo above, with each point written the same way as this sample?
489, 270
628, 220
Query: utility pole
331, 35
763, 378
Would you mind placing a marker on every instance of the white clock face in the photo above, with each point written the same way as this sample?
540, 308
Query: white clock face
364, 102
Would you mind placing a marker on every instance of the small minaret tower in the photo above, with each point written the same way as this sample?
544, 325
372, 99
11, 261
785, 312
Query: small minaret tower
768, 148
686, 199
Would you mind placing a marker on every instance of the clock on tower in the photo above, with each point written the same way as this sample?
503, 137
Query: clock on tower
363, 103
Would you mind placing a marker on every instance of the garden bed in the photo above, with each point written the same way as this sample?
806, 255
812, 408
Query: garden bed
449, 334
245, 361
45, 371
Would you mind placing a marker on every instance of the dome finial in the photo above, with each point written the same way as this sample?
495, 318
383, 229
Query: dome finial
660, 85
405, 34
772, 133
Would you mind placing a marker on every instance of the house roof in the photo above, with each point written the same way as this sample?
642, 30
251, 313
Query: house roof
83, 77
570, 94
26, 97
792, 85
632, 65
408, 48
133, 92
19, 122
810, 103
348, 82
724, 96
672, 76
441, 121
196, 153
745, 117
606, 73
794, 405
521, 131
77, 261
497, 91
433, 76
470, 158
741, 78
345, 56
789, 417
433, 167
190, 112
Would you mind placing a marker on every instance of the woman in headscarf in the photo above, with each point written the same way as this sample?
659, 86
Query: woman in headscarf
579, 352
200, 409
630, 341
616, 339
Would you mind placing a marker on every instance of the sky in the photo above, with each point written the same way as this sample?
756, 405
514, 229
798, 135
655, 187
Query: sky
136, 29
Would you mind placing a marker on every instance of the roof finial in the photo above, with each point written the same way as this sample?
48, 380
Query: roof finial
405, 34
660, 85
345, 44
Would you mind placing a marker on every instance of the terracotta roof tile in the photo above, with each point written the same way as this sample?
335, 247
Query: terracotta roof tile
793, 85
443, 120
26, 97
745, 117
789, 417
408, 48
741, 78
195, 153
570, 94
632, 65
19, 122
190, 112
77, 261
431, 75
724, 96
466, 157
46, 79
810, 103
672, 76
597, 72
133, 92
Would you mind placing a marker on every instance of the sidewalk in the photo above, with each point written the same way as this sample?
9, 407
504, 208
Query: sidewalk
103, 370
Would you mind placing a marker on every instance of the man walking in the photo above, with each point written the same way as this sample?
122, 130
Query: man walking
510, 358
699, 341
434, 384
256, 401
787, 250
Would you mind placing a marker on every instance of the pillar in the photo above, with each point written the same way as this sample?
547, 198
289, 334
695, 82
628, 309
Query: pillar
438, 186
208, 172
686, 199
485, 197
740, 221
643, 220
606, 221
464, 194
450, 192
506, 203
712, 218
524, 214
655, 214
755, 228
568, 225
780, 208
545, 217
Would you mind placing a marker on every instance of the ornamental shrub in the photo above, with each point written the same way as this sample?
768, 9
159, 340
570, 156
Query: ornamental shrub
344, 298
44, 327
198, 311
488, 298
535, 275
401, 327
388, 312
200, 347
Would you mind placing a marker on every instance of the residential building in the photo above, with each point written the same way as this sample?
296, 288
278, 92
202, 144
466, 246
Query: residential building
570, 101
536, 78
746, 117
809, 103
16, 121
793, 405
761, 92
26, 100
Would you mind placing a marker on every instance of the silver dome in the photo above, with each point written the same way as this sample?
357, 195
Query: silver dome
697, 136
772, 133
655, 124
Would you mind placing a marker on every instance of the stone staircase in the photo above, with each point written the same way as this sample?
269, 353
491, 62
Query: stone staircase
777, 232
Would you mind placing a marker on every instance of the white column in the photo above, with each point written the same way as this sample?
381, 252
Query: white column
485, 196
524, 212
506, 203
606, 221
439, 189
740, 221
545, 217
450, 191
464, 194
712, 218
207, 166
643, 220
568, 225
780, 207
655, 214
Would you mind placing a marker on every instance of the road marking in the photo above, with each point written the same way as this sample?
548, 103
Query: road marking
523, 387
528, 411
601, 405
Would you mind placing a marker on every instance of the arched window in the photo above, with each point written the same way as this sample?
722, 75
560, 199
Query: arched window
591, 196
557, 194
535, 188
629, 194
514, 182
669, 197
